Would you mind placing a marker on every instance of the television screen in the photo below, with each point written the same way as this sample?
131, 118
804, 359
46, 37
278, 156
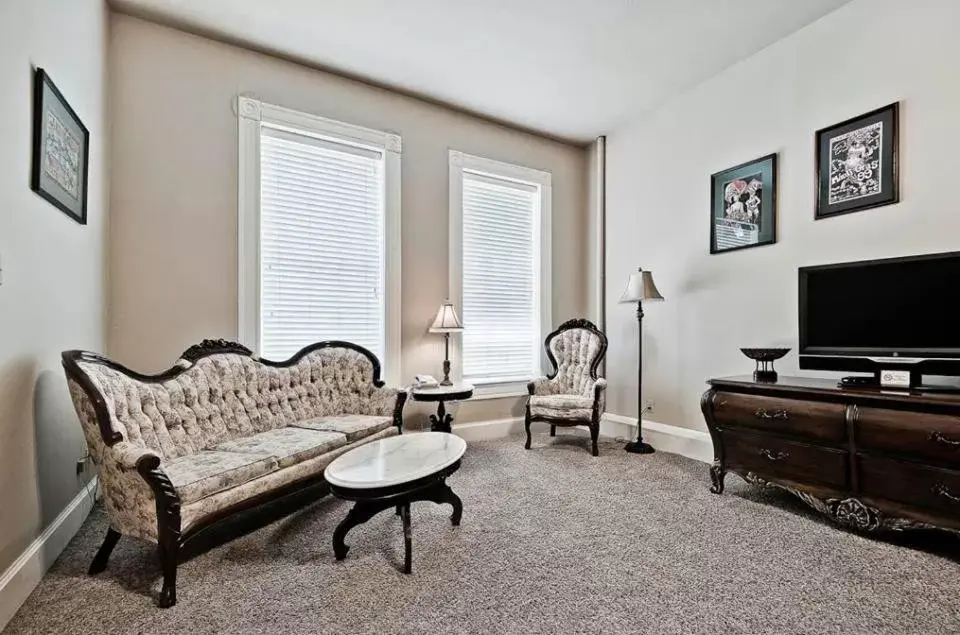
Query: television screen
903, 306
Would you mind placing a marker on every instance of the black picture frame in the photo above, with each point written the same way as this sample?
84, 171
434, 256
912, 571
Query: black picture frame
754, 221
61, 150
864, 175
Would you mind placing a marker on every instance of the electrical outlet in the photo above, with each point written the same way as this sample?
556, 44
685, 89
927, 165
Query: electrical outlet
81, 465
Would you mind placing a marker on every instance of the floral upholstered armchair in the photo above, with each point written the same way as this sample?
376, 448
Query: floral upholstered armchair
572, 395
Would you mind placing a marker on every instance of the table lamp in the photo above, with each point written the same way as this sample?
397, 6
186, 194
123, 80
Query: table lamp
446, 322
640, 287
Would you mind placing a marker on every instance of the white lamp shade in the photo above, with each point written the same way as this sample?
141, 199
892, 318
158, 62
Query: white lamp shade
640, 287
447, 320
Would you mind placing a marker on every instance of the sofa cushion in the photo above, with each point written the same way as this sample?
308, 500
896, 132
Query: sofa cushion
562, 406
288, 446
355, 427
209, 472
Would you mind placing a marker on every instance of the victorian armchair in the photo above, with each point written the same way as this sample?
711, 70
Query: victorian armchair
572, 395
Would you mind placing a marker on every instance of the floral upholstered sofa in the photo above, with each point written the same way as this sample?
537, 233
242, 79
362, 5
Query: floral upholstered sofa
220, 431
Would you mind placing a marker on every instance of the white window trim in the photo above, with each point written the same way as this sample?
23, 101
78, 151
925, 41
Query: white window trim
459, 161
251, 113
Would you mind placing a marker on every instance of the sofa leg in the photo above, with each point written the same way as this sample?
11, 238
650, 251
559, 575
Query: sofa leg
103, 554
594, 434
553, 431
168, 552
526, 424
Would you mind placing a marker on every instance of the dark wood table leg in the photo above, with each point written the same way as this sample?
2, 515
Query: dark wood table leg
407, 539
361, 512
441, 421
440, 494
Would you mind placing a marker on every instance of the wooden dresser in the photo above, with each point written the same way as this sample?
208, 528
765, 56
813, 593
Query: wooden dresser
868, 458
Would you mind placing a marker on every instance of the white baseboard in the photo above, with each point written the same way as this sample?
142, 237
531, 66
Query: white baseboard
694, 444
487, 430
666, 438
22, 577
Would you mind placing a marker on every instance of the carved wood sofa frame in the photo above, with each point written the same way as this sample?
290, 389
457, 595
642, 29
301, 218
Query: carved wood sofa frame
170, 540
594, 423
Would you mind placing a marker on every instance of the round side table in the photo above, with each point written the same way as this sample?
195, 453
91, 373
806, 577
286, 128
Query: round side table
441, 421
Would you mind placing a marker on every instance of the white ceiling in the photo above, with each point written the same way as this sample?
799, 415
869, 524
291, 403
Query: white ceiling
572, 69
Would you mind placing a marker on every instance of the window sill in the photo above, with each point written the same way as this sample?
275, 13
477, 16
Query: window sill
493, 389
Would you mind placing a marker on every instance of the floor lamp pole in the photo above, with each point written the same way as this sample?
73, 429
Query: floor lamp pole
638, 446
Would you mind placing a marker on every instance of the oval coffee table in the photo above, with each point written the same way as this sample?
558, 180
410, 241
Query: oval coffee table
392, 473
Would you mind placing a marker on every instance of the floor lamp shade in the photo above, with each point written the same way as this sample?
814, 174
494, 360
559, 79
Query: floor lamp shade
640, 287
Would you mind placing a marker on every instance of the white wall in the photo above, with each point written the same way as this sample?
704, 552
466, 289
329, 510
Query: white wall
865, 55
53, 293
174, 196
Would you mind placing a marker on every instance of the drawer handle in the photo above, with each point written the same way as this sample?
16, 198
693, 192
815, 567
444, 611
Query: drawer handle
776, 415
942, 490
939, 438
779, 456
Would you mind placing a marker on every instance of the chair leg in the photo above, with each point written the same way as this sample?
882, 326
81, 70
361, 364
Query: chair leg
103, 554
526, 424
553, 431
594, 434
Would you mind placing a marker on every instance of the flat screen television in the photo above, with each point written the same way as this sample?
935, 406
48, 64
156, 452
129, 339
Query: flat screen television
897, 314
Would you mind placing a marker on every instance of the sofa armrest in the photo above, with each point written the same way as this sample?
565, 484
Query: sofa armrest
386, 402
128, 455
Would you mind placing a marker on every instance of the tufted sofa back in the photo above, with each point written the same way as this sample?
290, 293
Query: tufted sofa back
219, 397
577, 348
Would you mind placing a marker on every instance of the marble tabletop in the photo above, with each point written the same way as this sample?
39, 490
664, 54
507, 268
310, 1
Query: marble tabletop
395, 460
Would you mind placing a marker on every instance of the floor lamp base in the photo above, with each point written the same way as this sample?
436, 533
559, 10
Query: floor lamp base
639, 447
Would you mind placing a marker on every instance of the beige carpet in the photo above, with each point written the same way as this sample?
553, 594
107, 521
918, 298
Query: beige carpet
552, 541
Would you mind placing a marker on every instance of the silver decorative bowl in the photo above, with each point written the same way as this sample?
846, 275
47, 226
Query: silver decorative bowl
764, 357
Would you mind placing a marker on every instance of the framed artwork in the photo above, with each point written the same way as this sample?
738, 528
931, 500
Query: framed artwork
61, 148
743, 206
857, 163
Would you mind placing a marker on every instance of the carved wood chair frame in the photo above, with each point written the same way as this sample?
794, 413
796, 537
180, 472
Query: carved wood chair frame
594, 423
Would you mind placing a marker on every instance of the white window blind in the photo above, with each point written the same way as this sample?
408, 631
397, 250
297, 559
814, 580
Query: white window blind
321, 243
500, 278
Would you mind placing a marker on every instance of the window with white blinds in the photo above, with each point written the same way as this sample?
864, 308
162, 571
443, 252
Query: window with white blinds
321, 244
319, 205
500, 247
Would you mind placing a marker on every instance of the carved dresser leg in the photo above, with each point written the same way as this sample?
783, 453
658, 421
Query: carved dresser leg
717, 473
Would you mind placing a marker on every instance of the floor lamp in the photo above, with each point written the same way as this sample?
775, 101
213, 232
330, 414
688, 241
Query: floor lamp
640, 287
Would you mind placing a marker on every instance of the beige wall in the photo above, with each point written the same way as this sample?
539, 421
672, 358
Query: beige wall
174, 196
865, 55
53, 292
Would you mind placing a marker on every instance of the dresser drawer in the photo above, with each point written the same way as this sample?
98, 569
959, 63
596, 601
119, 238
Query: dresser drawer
910, 483
796, 417
912, 433
790, 460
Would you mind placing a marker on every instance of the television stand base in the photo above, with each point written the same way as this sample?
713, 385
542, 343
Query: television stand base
859, 381
867, 381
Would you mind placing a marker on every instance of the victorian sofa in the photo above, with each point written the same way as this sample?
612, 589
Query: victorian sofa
219, 432
572, 395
